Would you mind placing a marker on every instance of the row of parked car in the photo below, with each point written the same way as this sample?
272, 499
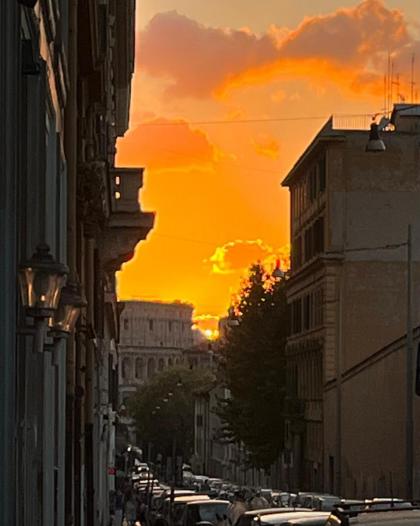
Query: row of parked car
205, 507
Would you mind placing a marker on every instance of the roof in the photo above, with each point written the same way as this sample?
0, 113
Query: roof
191, 498
206, 502
405, 110
282, 518
325, 135
269, 511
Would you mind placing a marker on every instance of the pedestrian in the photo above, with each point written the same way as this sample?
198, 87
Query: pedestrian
119, 506
130, 509
258, 502
237, 508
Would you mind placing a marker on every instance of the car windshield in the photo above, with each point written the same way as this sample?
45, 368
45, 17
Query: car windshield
211, 512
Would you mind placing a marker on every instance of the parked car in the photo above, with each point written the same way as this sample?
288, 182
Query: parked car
325, 502
383, 503
389, 517
157, 504
172, 510
247, 518
209, 512
319, 520
282, 519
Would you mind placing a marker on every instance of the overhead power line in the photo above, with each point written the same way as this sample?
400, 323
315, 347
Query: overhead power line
251, 121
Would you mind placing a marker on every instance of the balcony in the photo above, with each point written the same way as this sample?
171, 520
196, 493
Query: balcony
127, 224
126, 183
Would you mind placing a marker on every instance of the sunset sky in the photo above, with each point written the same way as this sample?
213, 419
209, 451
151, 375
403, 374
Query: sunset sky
203, 69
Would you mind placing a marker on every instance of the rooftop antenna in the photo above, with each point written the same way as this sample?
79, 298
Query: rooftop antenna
391, 87
413, 82
385, 94
388, 84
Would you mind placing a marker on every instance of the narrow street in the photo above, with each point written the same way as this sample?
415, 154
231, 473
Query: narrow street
210, 272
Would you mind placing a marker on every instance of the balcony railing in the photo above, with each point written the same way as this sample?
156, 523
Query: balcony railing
126, 183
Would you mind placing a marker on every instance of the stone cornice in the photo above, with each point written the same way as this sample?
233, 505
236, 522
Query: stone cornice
117, 241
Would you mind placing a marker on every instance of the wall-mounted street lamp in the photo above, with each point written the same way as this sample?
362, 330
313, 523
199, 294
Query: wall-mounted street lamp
375, 144
72, 301
41, 279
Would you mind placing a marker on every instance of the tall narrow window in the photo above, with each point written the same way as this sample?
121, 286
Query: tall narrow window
125, 368
139, 368
322, 173
150, 325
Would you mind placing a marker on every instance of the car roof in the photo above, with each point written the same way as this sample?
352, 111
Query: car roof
269, 511
180, 493
397, 517
263, 511
282, 518
209, 501
190, 498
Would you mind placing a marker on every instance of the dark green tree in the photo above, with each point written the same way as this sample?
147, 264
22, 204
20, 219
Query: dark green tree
172, 425
253, 365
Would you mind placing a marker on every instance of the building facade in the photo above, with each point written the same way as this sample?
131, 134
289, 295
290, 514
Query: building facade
154, 337
65, 83
350, 212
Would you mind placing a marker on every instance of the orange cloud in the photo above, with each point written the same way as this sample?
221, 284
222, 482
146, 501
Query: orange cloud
198, 59
237, 256
161, 146
348, 47
267, 146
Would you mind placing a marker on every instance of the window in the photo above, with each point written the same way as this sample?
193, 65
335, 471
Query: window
170, 326
314, 239
307, 312
318, 235
297, 253
313, 184
318, 307
322, 173
125, 368
126, 324
309, 248
297, 316
150, 325
139, 368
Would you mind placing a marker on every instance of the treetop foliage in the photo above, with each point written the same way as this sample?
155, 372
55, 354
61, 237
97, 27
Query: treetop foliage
163, 409
253, 363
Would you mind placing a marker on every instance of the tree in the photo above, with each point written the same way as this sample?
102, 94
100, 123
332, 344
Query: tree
172, 425
254, 368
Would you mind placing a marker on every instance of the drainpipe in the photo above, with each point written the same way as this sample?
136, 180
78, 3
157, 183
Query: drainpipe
70, 145
339, 365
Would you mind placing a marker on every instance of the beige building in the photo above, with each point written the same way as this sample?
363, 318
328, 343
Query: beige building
350, 211
153, 337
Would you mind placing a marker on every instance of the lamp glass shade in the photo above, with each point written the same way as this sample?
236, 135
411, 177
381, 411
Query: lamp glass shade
65, 318
68, 311
41, 280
